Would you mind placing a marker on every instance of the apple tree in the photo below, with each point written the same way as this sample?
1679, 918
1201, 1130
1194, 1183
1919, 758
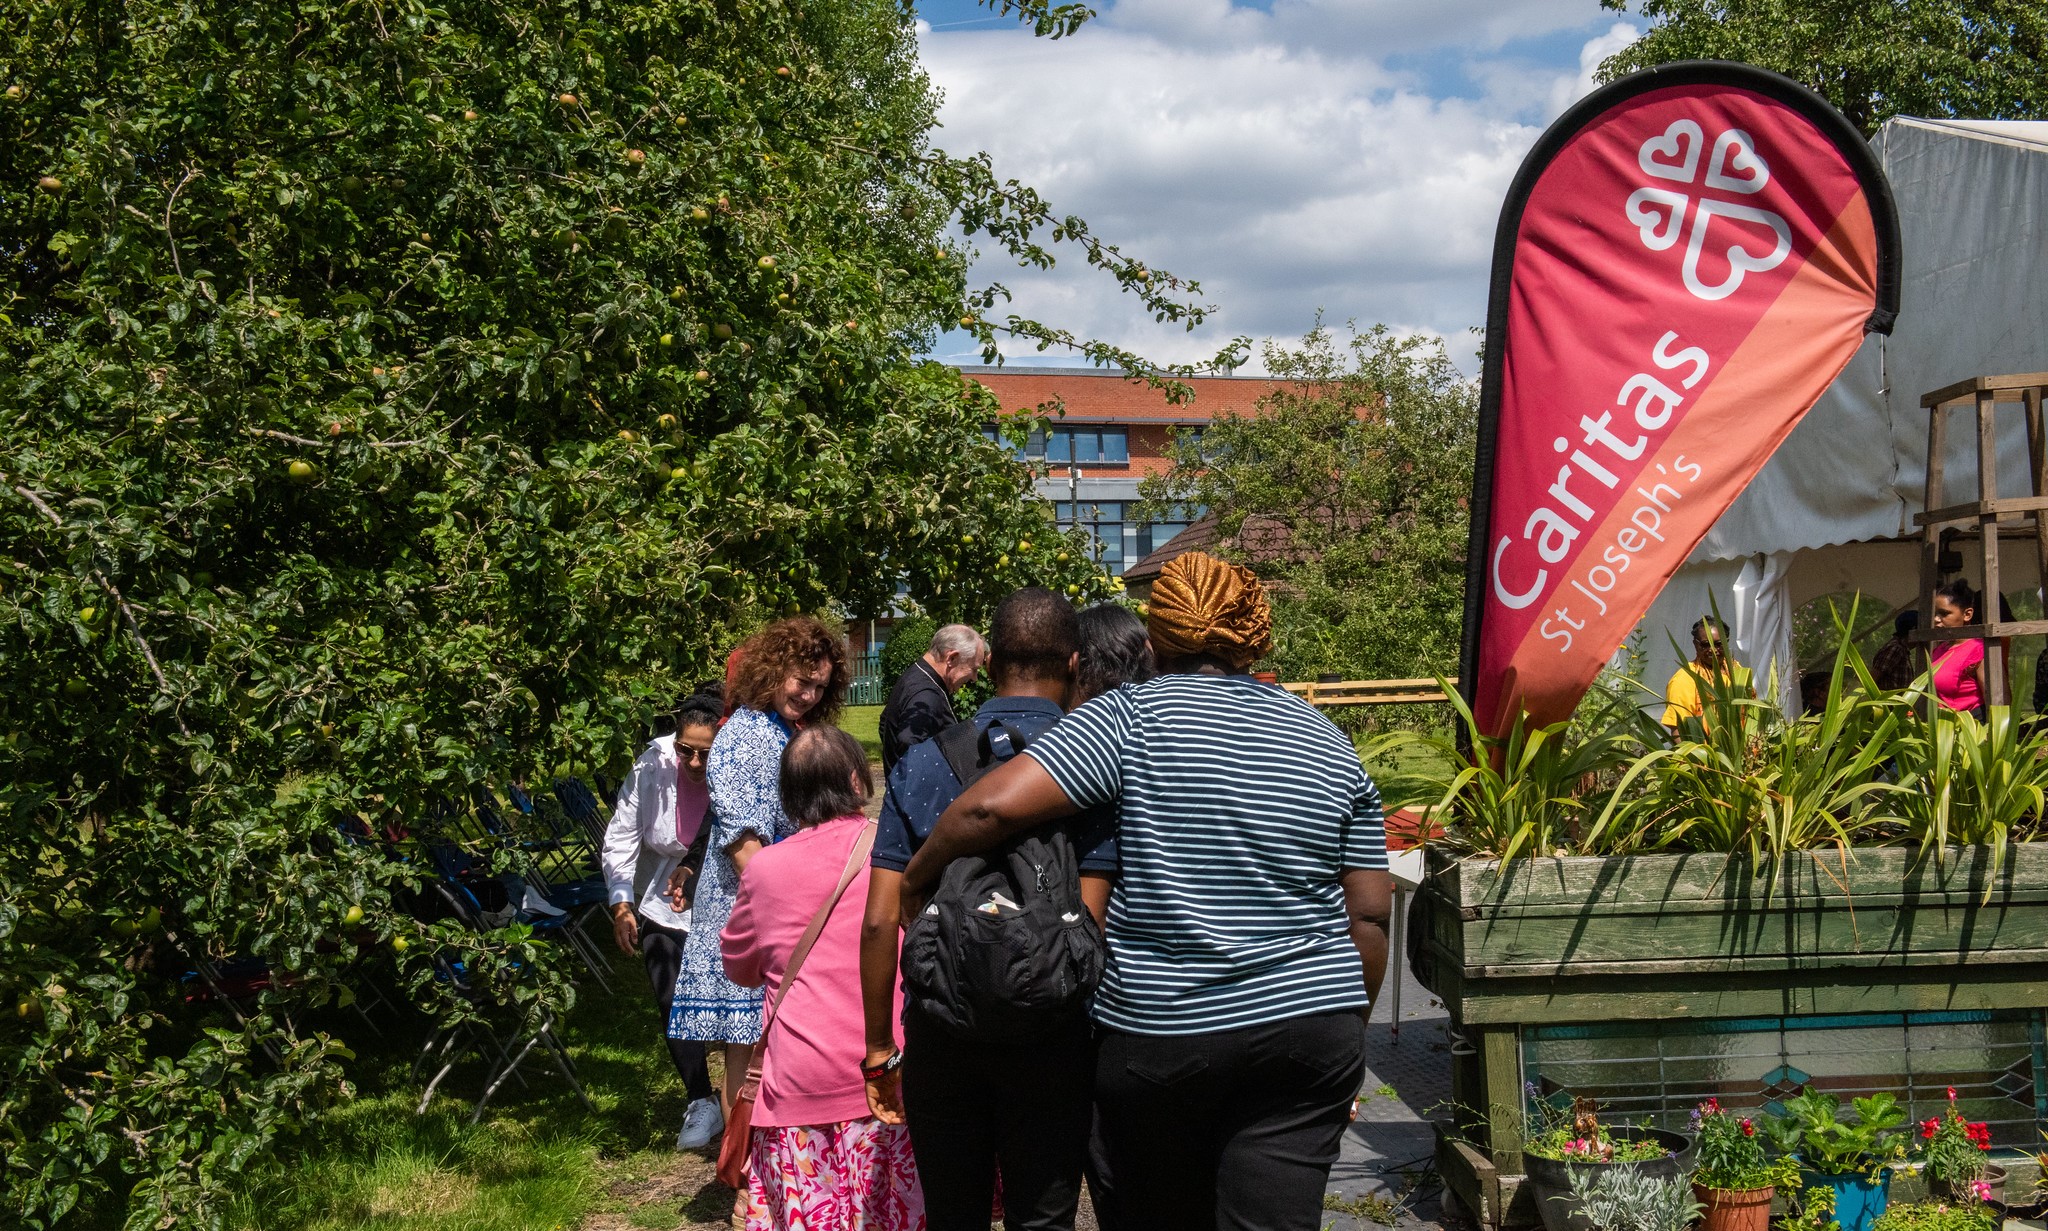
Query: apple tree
403, 400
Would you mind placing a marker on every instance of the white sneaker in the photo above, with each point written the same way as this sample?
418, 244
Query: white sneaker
702, 1124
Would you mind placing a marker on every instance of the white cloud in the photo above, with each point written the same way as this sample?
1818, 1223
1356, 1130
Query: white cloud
1343, 155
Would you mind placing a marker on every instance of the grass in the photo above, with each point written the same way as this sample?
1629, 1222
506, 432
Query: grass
864, 723
538, 1162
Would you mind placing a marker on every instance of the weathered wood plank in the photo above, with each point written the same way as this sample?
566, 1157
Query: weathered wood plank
1964, 388
1723, 879
1597, 998
1500, 1056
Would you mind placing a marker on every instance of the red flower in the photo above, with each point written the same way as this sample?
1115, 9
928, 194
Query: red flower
1711, 1106
1951, 1094
1927, 1127
1748, 1129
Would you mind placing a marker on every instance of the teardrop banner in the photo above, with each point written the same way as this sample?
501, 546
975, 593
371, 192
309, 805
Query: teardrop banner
1685, 261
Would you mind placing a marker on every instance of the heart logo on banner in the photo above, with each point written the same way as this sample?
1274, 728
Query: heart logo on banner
1658, 214
1741, 260
1682, 135
1659, 230
1734, 152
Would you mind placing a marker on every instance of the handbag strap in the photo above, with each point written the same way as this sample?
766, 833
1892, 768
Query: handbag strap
855, 860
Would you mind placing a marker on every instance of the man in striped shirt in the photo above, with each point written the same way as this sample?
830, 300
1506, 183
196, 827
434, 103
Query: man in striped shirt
1247, 929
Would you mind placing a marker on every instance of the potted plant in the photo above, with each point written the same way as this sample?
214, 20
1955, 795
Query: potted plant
1938, 1216
1737, 1177
1853, 1157
1955, 1158
1626, 1199
1561, 1142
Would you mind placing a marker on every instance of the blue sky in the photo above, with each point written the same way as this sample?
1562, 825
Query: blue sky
1341, 156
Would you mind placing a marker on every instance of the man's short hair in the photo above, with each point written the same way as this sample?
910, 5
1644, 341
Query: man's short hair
821, 766
1701, 625
1035, 635
956, 639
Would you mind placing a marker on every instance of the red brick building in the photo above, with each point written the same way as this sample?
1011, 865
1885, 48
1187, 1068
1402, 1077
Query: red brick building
1114, 433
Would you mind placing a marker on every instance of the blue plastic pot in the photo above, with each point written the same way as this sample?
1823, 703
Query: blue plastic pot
1858, 1198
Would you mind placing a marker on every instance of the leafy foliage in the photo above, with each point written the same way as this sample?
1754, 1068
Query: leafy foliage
1934, 1216
1871, 766
407, 398
1630, 1199
1813, 1129
1348, 492
911, 638
1873, 59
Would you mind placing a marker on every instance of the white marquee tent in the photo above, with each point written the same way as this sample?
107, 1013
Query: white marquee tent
1831, 512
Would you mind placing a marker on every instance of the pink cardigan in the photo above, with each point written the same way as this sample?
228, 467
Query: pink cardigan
811, 1074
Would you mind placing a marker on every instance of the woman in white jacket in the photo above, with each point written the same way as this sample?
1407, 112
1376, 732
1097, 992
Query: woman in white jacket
654, 843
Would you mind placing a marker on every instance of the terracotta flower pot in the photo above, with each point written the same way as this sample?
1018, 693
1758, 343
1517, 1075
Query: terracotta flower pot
1734, 1209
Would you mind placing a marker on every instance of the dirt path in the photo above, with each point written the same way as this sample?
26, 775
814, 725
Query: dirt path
681, 1192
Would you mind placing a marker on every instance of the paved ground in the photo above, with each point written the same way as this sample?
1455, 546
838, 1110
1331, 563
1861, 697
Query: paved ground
1384, 1176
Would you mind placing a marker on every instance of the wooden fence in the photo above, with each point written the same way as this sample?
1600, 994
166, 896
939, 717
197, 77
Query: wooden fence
1370, 692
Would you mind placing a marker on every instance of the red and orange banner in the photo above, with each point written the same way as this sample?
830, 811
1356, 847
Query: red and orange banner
1685, 261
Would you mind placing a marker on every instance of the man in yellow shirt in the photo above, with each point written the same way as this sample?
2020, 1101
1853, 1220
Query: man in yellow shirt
1684, 698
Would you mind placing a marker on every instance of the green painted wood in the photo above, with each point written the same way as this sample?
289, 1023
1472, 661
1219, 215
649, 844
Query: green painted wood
1500, 1056
1679, 913
1601, 998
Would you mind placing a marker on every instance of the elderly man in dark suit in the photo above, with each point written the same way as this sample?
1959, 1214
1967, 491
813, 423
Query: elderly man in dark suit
921, 704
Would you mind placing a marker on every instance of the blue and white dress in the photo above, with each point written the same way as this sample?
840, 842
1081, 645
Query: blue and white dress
744, 771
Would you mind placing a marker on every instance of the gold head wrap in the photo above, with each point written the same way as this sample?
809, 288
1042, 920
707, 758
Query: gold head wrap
1202, 605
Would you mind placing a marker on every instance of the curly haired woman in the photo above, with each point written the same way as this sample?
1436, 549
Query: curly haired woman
791, 673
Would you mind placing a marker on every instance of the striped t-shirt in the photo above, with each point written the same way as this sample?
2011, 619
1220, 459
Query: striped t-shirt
1240, 805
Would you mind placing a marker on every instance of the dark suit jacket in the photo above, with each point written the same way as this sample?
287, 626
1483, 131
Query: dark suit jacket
919, 707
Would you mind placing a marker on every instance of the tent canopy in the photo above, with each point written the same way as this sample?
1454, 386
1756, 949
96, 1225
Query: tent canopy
1973, 213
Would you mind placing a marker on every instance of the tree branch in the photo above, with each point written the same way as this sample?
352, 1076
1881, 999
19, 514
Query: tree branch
127, 612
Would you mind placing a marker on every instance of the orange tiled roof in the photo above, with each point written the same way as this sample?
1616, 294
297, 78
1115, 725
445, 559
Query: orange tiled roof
1104, 397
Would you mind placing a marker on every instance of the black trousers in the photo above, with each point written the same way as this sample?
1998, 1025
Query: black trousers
663, 950
974, 1106
1234, 1130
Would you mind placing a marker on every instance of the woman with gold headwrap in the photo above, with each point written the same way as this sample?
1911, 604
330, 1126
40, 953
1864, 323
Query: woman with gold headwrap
1247, 928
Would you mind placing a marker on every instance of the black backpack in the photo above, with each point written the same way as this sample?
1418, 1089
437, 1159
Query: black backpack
1004, 948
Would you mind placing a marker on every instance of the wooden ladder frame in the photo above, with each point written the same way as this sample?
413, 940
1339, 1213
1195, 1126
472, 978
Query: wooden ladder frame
1985, 512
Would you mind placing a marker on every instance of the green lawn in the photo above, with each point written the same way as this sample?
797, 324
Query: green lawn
864, 723
538, 1162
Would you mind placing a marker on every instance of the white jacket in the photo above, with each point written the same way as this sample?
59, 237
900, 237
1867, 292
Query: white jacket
643, 823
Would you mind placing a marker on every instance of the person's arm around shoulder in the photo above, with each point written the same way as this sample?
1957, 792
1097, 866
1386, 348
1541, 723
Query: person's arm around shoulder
746, 959
1075, 765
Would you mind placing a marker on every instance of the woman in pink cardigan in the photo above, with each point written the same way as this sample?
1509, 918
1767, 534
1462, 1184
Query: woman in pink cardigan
819, 1160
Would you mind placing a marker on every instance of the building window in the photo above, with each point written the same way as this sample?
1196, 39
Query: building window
1105, 445
1104, 522
1100, 446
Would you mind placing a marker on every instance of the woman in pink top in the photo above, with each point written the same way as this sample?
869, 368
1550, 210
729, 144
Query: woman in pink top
819, 1161
1959, 681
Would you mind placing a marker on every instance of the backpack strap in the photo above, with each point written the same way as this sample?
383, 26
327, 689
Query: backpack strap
960, 745
971, 752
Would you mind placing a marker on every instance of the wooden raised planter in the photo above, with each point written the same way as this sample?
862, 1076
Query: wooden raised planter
1654, 938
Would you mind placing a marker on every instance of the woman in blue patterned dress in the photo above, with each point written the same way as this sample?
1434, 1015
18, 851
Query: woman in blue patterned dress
791, 673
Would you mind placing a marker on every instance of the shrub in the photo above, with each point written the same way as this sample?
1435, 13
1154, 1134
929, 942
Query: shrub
911, 638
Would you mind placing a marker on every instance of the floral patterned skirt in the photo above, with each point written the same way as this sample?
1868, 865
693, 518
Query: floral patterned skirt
856, 1176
